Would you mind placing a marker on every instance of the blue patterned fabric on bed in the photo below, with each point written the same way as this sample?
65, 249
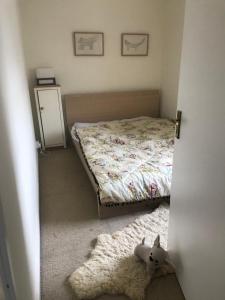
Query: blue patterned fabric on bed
130, 159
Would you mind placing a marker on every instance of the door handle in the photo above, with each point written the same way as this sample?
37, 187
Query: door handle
178, 124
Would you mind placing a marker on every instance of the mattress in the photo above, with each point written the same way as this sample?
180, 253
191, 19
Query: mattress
131, 160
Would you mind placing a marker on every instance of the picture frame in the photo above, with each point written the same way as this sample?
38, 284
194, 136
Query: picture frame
134, 44
88, 43
46, 81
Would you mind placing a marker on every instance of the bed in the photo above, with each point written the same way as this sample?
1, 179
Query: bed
125, 148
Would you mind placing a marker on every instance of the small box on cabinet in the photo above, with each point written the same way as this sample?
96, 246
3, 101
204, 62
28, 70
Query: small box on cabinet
45, 76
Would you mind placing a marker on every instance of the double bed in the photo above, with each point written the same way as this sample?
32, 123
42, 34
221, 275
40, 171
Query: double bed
126, 149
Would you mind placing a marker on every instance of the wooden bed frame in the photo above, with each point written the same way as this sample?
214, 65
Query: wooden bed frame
95, 107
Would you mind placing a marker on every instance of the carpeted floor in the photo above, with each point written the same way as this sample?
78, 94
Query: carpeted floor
2, 297
69, 222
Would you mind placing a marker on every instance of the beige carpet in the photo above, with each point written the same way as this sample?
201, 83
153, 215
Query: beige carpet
113, 268
69, 223
2, 297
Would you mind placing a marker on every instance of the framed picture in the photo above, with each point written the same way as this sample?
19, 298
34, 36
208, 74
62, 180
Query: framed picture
88, 43
46, 81
134, 44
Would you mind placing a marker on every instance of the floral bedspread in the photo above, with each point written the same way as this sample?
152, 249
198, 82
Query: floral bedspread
131, 159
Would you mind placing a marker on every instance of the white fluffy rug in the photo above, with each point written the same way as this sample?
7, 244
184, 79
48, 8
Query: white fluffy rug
112, 267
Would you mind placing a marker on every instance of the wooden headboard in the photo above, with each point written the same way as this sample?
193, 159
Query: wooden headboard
94, 107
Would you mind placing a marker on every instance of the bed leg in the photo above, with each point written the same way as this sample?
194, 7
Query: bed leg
99, 208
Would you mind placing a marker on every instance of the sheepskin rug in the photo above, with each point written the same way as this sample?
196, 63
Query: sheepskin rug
113, 268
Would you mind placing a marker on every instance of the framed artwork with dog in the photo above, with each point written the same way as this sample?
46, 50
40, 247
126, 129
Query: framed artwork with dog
134, 44
88, 43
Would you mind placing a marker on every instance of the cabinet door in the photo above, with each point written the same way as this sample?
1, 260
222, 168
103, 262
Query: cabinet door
49, 102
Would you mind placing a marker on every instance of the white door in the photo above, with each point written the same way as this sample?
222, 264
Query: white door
49, 102
197, 220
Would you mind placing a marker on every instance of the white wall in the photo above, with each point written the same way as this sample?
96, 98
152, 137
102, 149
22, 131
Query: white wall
47, 31
173, 32
197, 211
48, 26
18, 160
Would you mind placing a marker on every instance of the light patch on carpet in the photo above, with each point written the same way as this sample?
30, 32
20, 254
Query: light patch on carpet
113, 268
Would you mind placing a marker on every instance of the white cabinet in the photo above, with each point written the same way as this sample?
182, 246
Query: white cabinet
50, 116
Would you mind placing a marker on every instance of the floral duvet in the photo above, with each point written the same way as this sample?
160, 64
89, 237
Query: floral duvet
130, 159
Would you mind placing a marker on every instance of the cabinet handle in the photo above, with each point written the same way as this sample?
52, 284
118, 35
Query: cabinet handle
41, 108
